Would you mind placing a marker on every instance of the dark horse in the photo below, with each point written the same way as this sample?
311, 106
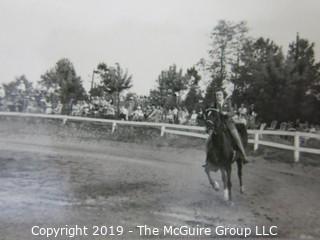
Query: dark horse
222, 151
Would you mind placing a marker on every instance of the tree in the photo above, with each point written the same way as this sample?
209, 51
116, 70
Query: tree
227, 39
63, 81
170, 84
155, 97
282, 88
20, 86
303, 74
114, 80
261, 79
131, 96
193, 98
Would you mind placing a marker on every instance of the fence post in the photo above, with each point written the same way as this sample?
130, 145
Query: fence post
256, 141
114, 125
296, 147
64, 121
163, 129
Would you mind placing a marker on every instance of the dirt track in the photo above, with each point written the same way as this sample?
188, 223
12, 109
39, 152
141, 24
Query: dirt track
53, 183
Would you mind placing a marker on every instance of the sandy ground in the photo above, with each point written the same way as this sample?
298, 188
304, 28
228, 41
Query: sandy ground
54, 183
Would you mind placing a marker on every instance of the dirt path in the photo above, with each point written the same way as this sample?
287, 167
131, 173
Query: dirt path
52, 183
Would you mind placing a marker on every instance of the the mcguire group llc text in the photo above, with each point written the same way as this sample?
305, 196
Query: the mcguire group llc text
145, 230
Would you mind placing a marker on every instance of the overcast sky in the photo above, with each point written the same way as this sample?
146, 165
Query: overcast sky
144, 36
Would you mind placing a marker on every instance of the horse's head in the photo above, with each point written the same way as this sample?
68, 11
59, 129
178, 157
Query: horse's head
214, 120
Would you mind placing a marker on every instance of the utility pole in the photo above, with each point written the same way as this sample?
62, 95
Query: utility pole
92, 80
93, 72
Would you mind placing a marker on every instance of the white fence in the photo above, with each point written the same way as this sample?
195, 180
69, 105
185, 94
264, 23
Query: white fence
193, 131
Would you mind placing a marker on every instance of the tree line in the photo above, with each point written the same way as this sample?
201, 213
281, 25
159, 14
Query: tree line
282, 86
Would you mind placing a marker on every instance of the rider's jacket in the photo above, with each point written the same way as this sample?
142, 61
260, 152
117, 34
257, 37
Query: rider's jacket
225, 108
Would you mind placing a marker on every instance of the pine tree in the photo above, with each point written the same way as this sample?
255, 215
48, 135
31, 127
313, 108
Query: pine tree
261, 79
303, 80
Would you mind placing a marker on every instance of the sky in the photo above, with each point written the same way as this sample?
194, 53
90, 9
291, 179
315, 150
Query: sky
144, 36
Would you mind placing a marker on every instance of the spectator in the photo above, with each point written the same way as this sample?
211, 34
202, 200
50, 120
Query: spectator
312, 129
183, 115
110, 111
49, 109
58, 109
138, 114
200, 118
155, 116
123, 113
32, 106
170, 117
2, 96
85, 109
252, 116
242, 112
131, 107
175, 115
158, 115
76, 109
147, 112
43, 104
193, 118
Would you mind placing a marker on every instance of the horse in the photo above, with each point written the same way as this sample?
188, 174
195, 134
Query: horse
222, 151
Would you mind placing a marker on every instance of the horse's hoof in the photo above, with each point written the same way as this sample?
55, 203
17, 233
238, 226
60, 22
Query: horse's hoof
231, 204
242, 190
226, 195
216, 186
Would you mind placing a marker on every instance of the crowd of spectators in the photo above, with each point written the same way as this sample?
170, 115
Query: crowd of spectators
153, 113
129, 110
293, 126
248, 116
100, 107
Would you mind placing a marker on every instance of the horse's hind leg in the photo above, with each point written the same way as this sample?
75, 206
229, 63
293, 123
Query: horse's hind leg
239, 165
213, 183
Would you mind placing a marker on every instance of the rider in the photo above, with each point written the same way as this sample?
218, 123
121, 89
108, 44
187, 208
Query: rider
224, 106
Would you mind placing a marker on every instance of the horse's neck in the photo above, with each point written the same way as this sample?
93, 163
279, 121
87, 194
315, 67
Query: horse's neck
226, 140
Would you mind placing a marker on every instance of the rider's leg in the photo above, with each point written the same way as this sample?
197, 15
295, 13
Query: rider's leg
235, 134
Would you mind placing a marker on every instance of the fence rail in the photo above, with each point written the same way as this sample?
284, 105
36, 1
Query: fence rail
192, 131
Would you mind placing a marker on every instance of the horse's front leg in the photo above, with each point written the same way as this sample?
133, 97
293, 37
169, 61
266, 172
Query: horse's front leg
224, 181
229, 184
213, 183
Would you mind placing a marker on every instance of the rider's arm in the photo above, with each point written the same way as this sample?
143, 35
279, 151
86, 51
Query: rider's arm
228, 111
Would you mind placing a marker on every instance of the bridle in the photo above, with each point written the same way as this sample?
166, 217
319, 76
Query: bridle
210, 122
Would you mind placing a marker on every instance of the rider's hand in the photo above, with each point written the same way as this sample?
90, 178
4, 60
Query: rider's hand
224, 113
